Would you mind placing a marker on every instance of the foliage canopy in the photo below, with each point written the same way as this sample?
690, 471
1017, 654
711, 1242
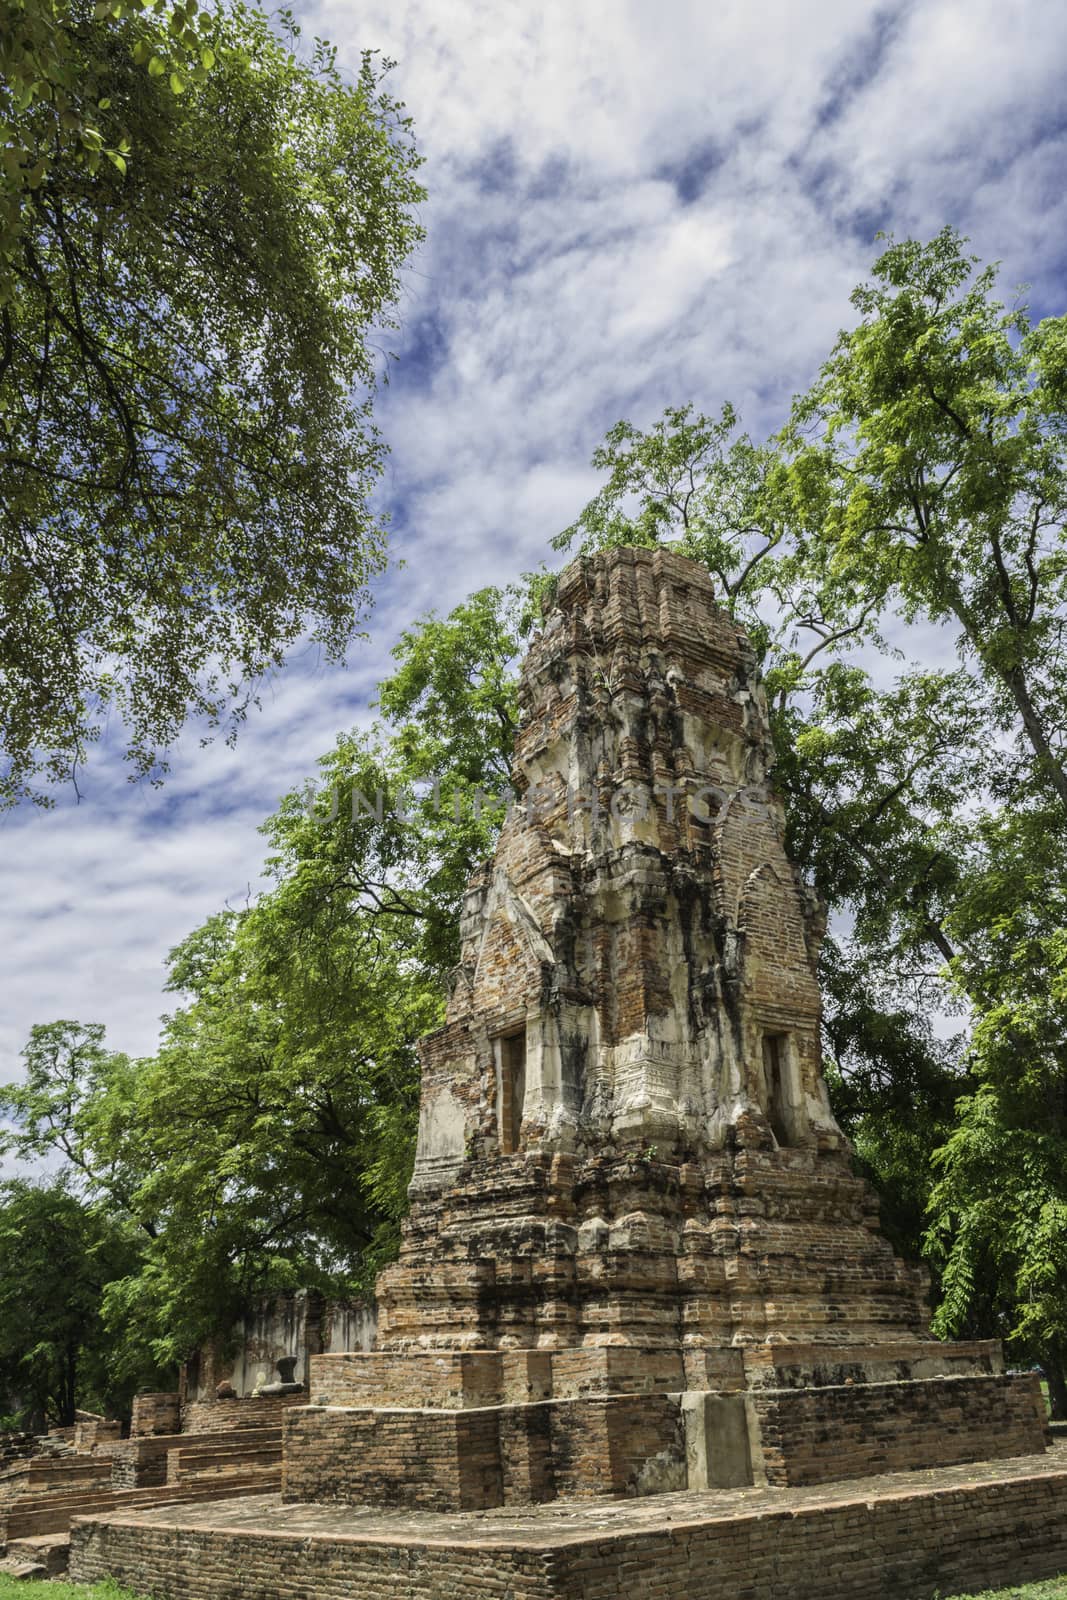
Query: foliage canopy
919, 484
190, 283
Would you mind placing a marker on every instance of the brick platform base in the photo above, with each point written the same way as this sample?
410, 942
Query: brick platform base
903, 1536
438, 1430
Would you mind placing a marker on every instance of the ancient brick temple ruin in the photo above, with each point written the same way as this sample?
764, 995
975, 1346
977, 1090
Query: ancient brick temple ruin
637, 1255
639, 1270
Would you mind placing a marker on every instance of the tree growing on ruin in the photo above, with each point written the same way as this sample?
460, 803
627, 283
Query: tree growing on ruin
201, 229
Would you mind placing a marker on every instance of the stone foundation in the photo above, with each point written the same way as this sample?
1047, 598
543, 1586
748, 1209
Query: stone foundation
467, 1447
778, 1414
474, 1460
905, 1537
637, 1256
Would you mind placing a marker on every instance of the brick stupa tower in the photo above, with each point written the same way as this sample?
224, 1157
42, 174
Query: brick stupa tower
638, 1257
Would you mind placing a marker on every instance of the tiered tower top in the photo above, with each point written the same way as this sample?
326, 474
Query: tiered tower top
638, 964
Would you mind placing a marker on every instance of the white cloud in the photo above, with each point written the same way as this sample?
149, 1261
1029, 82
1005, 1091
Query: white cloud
630, 205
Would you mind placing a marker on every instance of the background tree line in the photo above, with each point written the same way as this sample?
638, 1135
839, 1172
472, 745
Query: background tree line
918, 490
203, 226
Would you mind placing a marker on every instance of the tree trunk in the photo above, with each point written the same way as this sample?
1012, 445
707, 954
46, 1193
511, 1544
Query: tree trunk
1014, 680
69, 1387
1057, 1387
1035, 732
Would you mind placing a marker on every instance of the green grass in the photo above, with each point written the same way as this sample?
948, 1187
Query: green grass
1049, 1589
14, 1589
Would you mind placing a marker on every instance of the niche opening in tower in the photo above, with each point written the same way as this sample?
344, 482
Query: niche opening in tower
511, 1080
779, 1074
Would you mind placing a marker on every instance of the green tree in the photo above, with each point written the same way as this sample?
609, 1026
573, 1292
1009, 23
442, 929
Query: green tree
268, 1144
937, 480
999, 1207
921, 804
53, 99
186, 372
921, 481
931, 474
57, 1258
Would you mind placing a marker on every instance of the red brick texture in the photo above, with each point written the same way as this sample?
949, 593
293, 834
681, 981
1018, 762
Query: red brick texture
891, 1539
674, 1175
155, 1413
252, 1411
822, 1435
476, 1460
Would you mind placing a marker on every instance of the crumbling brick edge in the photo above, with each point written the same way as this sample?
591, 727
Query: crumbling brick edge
900, 1543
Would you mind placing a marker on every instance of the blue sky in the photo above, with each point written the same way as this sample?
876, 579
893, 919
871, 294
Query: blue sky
631, 205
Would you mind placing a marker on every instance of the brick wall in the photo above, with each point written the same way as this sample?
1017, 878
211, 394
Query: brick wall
453, 1380
618, 1445
429, 1460
907, 1546
254, 1411
456, 1380
140, 1463
817, 1435
154, 1413
96, 1435
476, 1459
604, 1369
205, 1565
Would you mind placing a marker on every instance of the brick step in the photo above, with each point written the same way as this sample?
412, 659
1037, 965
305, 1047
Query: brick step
201, 1417
48, 1550
256, 1481
139, 1463
223, 1465
55, 1517
210, 1458
22, 1571
160, 1443
62, 1474
251, 1445
236, 1437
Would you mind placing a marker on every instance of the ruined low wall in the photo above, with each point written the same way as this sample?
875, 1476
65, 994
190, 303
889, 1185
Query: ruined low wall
897, 1427
142, 1463
906, 1546
300, 1324
457, 1379
255, 1411
99, 1435
474, 1459
155, 1414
